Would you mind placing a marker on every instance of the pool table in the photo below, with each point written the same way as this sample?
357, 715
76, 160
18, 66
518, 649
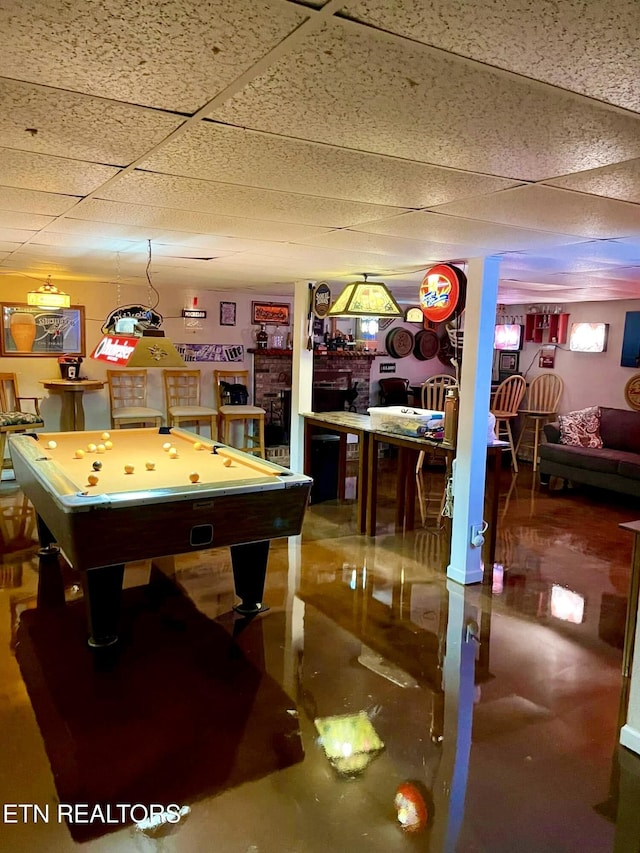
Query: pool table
147, 503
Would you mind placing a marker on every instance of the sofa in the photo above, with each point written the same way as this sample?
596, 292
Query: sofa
615, 465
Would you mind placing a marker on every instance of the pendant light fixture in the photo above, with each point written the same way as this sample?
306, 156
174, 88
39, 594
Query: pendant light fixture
48, 296
365, 299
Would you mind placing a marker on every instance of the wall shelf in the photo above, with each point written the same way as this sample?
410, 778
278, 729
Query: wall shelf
546, 328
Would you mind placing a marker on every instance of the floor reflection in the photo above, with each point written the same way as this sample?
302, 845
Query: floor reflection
374, 694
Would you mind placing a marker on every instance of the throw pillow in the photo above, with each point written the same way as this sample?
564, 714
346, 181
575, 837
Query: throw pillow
582, 428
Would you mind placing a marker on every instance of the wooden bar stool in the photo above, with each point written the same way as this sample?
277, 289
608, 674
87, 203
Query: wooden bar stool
182, 395
231, 386
504, 406
541, 407
128, 398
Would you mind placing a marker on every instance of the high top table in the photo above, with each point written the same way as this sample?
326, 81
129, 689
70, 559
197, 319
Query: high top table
72, 390
345, 423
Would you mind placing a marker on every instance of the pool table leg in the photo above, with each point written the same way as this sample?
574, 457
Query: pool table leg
102, 595
249, 563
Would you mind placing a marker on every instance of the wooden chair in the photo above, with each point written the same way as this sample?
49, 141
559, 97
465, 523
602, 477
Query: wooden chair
251, 418
12, 417
128, 398
182, 395
432, 394
504, 406
541, 407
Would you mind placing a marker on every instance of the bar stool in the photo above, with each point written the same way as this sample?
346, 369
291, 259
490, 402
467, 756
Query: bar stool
230, 385
504, 406
128, 398
182, 395
541, 407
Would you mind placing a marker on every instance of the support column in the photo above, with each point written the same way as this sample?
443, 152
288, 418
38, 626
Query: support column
301, 373
475, 387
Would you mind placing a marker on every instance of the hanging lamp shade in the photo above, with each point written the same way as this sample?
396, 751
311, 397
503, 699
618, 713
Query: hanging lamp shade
150, 350
48, 296
365, 299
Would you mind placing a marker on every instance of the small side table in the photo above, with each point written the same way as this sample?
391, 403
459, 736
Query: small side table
72, 415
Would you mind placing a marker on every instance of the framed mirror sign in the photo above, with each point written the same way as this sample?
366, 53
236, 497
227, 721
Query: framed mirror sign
33, 331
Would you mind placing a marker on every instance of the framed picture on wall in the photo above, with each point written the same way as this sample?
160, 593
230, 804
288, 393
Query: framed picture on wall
270, 313
227, 313
32, 331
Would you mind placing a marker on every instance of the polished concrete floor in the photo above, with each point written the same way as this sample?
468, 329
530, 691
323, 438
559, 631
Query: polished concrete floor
493, 708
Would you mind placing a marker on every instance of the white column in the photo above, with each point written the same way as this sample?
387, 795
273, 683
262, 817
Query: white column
475, 387
450, 785
301, 373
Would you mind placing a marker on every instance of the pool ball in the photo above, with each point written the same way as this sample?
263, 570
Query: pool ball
227, 463
129, 469
108, 445
150, 466
194, 476
105, 436
97, 465
166, 446
91, 448
173, 453
92, 479
52, 445
100, 448
79, 454
197, 445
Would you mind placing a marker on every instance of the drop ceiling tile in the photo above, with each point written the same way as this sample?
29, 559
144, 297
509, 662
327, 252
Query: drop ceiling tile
96, 243
168, 55
621, 274
590, 47
400, 247
32, 201
208, 197
354, 87
238, 156
31, 171
542, 207
32, 221
621, 181
15, 235
8, 246
78, 126
187, 220
492, 237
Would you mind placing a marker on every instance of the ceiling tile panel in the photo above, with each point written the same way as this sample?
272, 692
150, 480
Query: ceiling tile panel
27, 170
209, 197
173, 55
433, 227
32, 201
588, 46
621, 181
78, 126
239, 156
15, 235
11, 219
187, 220
372, 92
543, 207
400, 247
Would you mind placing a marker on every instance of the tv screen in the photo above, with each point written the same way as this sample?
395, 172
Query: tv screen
588, 337
508, 336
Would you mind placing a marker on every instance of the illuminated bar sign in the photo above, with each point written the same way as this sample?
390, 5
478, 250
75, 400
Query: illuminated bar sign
115, 350
442, 293
193, 314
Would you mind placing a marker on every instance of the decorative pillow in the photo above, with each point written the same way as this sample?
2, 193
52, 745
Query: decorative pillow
582, 428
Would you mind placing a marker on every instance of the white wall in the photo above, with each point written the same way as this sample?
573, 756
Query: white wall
589, 378
99, 301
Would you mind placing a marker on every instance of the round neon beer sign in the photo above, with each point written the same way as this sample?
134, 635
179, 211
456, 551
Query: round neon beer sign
442, 292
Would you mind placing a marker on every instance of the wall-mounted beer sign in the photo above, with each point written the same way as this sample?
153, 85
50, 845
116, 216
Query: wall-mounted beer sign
443, 292
321, 299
